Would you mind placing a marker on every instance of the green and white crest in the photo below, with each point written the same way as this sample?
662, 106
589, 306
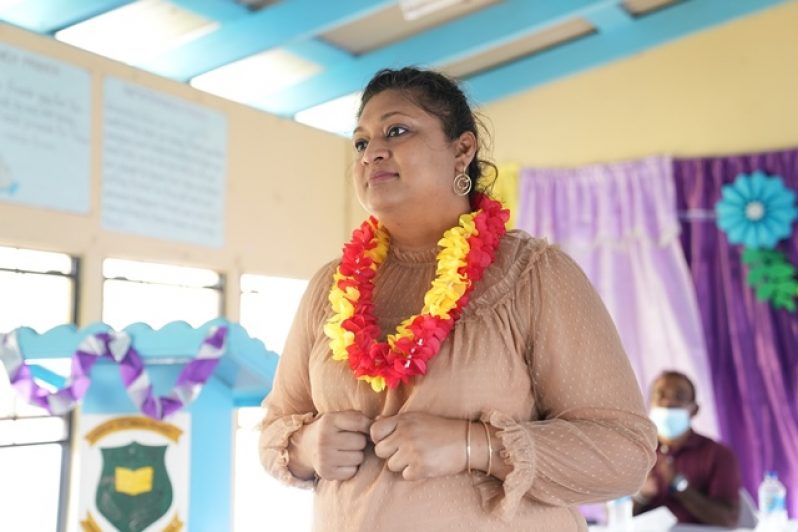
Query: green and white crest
134, 489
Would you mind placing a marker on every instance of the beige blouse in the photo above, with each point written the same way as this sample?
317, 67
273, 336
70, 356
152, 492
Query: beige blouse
535, 354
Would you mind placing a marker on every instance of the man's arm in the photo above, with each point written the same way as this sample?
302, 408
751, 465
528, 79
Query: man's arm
708, 510
720, 504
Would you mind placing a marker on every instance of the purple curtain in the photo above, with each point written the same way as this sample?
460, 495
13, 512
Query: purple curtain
752, 349
619, 223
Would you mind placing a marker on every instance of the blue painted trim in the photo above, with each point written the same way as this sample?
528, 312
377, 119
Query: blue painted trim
221, 11
226, 12
44, 374
107, 394
609, 18
596, 50
474, 33
245, 364
212, 454
249, 400
49, 16
318, 52
285, 22
58, 342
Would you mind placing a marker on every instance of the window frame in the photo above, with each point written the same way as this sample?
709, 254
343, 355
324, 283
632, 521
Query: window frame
69, 421
220, 286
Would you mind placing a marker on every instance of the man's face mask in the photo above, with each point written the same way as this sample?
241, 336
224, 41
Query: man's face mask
671, 422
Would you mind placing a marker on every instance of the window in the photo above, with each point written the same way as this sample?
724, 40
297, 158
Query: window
260, 502
268, 305
39, 291
157, 294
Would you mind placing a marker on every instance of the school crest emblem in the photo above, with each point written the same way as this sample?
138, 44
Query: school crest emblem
134, 489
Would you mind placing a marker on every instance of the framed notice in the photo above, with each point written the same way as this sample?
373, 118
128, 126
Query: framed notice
134, 473
45, 139
164, 166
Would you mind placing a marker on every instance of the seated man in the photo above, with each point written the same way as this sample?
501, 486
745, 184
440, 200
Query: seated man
697, 478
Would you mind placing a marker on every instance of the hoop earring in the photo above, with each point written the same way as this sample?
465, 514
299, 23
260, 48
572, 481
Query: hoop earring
462, 184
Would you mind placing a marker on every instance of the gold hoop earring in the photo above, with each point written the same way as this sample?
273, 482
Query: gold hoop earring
462, 184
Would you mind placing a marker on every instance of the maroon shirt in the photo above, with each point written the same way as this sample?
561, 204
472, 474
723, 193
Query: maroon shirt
709, 467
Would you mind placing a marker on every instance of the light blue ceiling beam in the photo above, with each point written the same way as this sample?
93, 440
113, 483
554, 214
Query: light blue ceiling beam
221, 11
468, 35
48, 16
597, 49
609, 18
318, 52
285, 22
226, 11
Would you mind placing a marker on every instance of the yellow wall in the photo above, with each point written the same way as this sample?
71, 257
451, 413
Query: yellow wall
730, 89
287, 189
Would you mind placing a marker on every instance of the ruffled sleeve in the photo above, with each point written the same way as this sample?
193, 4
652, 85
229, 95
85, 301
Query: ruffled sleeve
290, 405
593, 440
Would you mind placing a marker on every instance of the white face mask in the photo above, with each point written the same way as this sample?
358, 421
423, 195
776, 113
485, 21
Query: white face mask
671, 422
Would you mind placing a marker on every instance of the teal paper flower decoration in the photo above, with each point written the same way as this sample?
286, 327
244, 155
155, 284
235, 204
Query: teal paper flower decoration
756, 211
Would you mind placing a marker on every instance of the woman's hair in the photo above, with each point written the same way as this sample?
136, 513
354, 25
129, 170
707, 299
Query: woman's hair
442, 97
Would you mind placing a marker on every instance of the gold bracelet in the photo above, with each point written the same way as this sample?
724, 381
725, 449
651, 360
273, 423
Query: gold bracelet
490, 448
468, 445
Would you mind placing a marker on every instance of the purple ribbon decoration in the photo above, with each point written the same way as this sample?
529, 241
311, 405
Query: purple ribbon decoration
117, 347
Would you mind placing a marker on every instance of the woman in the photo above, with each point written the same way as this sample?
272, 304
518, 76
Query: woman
503, 397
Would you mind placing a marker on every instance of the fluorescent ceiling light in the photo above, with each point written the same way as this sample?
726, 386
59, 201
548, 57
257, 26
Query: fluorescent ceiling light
138, 31
252, 79
416, 9
336, 116
5, 4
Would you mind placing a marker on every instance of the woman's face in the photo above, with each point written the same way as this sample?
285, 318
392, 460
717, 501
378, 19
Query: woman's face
403, 159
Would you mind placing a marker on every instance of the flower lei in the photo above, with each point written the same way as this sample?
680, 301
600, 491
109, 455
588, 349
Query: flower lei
466, 251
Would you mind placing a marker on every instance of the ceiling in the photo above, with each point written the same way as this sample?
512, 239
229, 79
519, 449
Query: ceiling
307, 59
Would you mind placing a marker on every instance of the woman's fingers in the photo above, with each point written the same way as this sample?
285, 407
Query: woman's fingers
354, 441
340, 439
342, 473
339, 465
383, 427
418, 445
397, 463
331, 462
348, 441
349, 458
386, 448
411, 473
351, 421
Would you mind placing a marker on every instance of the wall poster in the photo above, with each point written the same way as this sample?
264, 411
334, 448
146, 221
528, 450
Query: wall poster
45, 132
164, 166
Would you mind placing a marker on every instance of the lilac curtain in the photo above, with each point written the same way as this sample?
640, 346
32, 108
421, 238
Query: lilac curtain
619, 222
752, 349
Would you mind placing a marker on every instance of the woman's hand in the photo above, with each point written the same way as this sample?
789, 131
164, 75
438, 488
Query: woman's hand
419, 445
331, 446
